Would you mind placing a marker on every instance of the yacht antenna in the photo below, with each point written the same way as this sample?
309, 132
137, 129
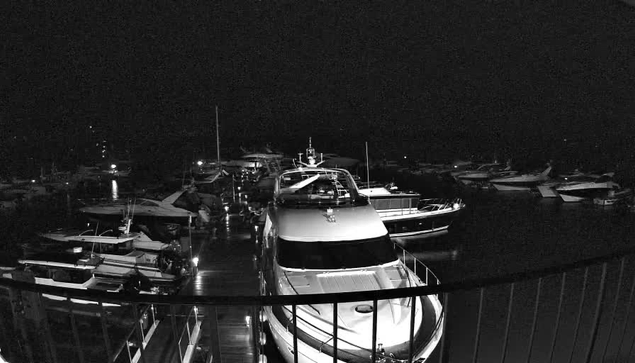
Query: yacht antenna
217, 141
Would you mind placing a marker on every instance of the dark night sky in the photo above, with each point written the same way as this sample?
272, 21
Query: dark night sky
436, 80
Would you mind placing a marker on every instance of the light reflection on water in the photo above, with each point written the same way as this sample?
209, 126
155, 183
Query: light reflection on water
114, 188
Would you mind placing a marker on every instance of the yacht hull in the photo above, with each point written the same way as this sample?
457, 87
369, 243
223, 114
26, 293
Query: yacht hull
511, 187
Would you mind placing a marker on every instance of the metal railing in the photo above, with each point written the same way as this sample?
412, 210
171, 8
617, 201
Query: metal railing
575, 312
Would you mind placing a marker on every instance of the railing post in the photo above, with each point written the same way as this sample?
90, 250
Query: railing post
535, 319
104, 330
47, 331
580, 310
135, 312
478, 324
78, 344
557, 322
335, 328
413, 310
628, 313
294, 311
175, 334
613, 313
373, 348
597, 314
508, 322
442, 356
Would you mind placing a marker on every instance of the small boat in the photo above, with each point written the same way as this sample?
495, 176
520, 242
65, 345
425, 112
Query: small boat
406, 214
614, 197
321, 235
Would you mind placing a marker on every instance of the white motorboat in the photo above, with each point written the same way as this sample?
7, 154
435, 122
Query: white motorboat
129, 254
321, 235
484, 173
548, 188
71, 271
523, 182
144, 208
406, 214
587, 188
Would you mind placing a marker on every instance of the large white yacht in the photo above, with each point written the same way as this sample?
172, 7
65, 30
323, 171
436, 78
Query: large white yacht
321, 236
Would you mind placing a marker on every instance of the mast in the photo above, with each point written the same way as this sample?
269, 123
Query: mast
218, 142
367, 168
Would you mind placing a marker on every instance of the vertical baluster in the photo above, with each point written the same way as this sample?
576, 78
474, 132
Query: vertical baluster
613, 313
597, 314
104, 330
47, 331
175, 334
374, 341
135, 312
214, 338
78, 344
335, 327
508, 322
413, 310
535, 319
580, 309
628, 313
478, 324
557, 326
442, 356
294, 312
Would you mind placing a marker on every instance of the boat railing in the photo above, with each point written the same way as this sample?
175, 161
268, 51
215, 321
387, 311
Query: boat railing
145, 323
571, 312
434, 204
417, 266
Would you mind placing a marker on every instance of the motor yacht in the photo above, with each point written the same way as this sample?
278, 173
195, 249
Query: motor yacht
159, 265
71, 271
484, 173
321, 235
406, 214
144, 207
587, 188
548, 188
523, 182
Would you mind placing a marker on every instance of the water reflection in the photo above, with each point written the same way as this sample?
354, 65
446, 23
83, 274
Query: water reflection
114, 190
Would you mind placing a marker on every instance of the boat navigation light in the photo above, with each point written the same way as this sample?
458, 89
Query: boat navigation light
195, 261
32, 180
113, 166
199, 163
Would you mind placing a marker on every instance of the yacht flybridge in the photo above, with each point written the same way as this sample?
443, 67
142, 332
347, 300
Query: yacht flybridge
322, 236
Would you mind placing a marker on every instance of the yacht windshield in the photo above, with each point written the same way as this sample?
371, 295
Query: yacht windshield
336, 255
318, 186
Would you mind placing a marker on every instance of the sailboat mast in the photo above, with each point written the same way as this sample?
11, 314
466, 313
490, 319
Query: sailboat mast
367, 168
217, 141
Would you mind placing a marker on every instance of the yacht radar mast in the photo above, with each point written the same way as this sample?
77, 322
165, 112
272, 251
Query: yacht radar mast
311, 156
